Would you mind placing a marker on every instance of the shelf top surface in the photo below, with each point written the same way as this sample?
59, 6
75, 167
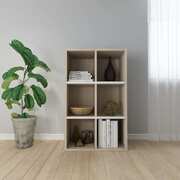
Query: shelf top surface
98, 49
90, 53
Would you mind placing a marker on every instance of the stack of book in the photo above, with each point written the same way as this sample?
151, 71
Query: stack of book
107, 133
80, 76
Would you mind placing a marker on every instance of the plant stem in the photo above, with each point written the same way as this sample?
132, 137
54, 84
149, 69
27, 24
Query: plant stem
23, 82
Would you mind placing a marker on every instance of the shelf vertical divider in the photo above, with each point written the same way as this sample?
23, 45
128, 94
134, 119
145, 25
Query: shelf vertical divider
66, 95
95, 100
125, 124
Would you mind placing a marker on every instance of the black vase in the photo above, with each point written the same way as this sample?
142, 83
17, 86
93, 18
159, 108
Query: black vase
110, 74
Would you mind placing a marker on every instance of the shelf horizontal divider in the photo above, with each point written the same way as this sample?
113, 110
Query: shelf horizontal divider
96, 82
80, 117
80, 83
110, 117
95, 117
111, 82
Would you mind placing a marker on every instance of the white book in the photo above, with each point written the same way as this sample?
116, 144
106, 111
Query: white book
80, 75
115, 124
108, 133
73, 75
104, 134
114, 134
100, 133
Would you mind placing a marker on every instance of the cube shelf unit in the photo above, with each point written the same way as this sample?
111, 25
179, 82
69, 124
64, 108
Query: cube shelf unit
96, 93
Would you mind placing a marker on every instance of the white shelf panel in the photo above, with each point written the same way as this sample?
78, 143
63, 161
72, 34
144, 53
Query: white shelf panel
111, 117
80, 83
87, 147
97, 117
80, 117
119, 148
97, 82
111, 82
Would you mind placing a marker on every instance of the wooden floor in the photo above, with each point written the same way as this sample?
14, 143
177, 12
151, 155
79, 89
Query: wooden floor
46, 160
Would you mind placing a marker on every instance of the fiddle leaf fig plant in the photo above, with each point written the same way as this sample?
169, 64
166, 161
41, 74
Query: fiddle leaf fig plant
24, 94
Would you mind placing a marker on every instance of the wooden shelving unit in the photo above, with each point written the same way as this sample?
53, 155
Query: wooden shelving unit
96, 93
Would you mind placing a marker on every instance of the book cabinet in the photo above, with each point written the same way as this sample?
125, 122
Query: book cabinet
96, 94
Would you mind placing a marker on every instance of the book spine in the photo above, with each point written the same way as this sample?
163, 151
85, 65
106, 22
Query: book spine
112, 134
100, 133
108, 130
115, 134
104, 134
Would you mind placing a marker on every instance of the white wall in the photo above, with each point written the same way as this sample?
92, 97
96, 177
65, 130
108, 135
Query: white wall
49, 27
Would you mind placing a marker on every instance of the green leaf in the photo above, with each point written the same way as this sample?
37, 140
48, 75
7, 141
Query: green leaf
18, 92
39, 78
43, 65
25, 53
29, 101
10, 103
17, 46
39, 95
38, 63
7, 94
8, 81
24, 115
29, 58
12, 71
15, 115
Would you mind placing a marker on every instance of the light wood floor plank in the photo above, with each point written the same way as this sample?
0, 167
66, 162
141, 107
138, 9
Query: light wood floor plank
128, 166
159, 167
10, 164
22, 168
5, 150
49, 169
169, 152
140, 165
114, 168
47, 160
38, 165
97, 168
81, 166
66, 166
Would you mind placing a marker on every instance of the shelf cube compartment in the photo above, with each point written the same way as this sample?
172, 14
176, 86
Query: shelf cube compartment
80, 61
116, 136
110, 99
118, 59
82, 130
80, 95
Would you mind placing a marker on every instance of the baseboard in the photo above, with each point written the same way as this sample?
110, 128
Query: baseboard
155, 137
39, 136
146, 136
47, 136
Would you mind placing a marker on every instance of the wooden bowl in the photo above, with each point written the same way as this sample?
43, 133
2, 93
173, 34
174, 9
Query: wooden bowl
81, 110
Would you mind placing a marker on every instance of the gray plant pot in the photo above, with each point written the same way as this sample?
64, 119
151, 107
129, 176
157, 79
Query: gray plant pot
24, 131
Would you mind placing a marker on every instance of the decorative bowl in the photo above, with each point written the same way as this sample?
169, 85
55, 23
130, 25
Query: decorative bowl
81, 110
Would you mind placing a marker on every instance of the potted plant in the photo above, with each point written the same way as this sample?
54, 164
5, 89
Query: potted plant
19, 90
